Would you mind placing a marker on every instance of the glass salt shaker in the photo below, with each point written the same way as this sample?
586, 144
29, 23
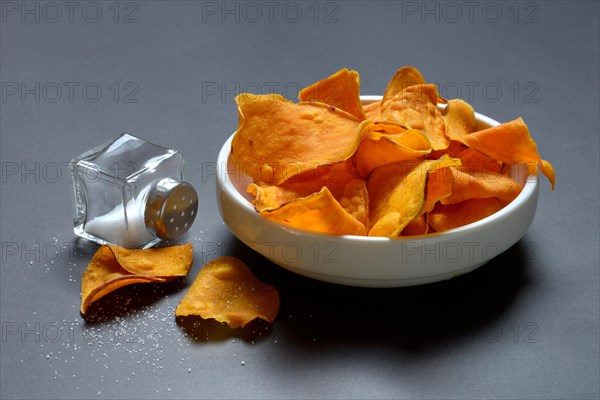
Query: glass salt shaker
131, 193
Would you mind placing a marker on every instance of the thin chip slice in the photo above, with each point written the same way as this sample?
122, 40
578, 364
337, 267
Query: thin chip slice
227, 291
334, 177
170, 261
481, 184
397, 193
377, 149
341, 90
445, 217
320, 212
404, 77
104, 274
415, 108
509, 142
278, 139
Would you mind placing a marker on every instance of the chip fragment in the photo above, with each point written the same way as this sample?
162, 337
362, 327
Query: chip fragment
226, 290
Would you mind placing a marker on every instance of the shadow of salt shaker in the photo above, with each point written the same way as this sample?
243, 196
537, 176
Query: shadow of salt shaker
131, 193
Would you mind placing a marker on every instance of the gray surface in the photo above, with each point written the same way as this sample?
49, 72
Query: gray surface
526, 325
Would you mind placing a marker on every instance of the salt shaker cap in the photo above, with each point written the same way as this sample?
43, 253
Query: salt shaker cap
171, 208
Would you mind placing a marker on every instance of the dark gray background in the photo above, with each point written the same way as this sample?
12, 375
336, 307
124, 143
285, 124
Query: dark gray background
526, 325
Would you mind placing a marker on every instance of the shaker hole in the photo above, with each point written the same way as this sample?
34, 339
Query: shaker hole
172, 220
174, 206
192, 212
185, 225
176, 228
182, 198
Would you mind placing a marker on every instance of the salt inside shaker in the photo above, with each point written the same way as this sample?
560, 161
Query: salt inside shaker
131, 193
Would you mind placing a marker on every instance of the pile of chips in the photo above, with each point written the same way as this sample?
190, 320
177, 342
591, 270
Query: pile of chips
396, 167
224, 290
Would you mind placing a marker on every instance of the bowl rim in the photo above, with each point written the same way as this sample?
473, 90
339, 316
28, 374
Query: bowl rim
529, 189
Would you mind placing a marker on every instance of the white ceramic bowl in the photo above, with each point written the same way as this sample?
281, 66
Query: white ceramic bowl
374, 261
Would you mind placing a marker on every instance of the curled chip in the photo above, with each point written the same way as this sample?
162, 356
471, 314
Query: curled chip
509, 142
397, 193
405, 165
113, 267
404, 77
378, 148
227, 291
415, 108
277, 139
341, 90
318, 212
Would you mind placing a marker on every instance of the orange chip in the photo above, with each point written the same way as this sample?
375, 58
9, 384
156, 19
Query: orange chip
397, 194
445, 217
481, 184
277, 139
170, 261
509, 142
341, 90
319, 212
227, 291
335, 177
404, 77
106, 271
415, 108
378, 149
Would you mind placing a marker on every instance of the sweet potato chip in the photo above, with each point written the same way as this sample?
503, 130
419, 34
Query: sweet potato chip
397, 194
106, 271
509, 142
377, 149
227, 291
334, 177
170, 261
415, 108
404, 77
445, 217
104, 275
481, 184
341, 90
278, 139
319, 212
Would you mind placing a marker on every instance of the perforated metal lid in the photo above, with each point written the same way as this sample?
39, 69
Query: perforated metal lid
171, 208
